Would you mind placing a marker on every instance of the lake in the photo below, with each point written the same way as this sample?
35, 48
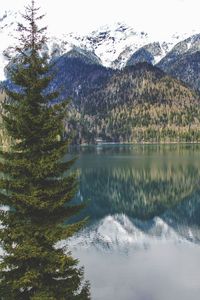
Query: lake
142, 241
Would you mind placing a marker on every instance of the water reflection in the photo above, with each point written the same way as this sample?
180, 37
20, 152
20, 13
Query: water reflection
139, 181
143, 239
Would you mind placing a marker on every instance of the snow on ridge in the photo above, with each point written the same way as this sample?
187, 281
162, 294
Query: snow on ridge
8, 26
113, 44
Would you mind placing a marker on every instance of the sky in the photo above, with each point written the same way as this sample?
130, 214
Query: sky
158, 17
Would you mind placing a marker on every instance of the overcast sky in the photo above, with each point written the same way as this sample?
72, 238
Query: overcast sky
160, 17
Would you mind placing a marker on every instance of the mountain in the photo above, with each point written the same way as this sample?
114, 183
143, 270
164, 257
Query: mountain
98, 88
107, 42
183, 61
7, 32
113, 45
118, 93
131, 104
136, 104
77, 75
150, 53
119, 45
88, 57
112, 42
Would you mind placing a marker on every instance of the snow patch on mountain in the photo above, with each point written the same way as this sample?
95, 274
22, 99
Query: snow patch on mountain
7, 36
189, 45
112, 44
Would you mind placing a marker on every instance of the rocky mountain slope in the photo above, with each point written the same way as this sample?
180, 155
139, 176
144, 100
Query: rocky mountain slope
7, 32
150, 53
92, 85
117, 93
183, 61
113, 45
131, 104
136, 104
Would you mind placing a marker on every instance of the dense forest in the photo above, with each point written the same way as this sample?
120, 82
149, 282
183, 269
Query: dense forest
137, 104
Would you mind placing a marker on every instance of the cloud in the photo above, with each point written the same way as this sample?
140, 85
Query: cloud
160, 17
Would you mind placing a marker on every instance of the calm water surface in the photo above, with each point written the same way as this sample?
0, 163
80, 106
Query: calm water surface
143, 238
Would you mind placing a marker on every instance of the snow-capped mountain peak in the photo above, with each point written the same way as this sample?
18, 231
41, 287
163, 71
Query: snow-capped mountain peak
109, 42
114, 45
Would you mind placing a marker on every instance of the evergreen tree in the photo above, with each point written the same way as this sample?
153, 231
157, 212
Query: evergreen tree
37, 184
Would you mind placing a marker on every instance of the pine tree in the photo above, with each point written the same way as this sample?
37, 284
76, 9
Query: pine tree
37, 185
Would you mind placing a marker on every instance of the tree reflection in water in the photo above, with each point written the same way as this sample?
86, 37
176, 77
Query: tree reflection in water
139, 181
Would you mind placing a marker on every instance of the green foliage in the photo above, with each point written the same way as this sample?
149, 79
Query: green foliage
5, 141
33, 184
138, 104
139, 123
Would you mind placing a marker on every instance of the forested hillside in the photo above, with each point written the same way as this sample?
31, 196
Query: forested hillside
139, 103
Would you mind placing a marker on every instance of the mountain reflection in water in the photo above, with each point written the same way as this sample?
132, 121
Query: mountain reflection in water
142, 240
139, 181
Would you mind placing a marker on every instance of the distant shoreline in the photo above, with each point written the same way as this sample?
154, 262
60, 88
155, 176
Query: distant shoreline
139, 143
2, 147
